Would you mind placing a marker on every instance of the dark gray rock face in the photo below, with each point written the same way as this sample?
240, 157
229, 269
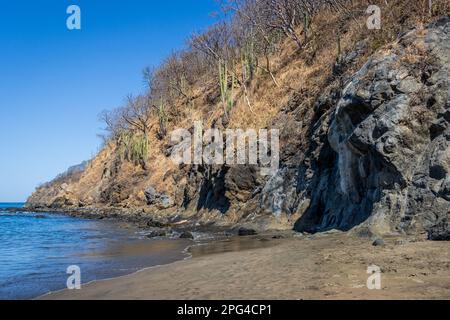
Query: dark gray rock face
378, 152
243, 232
160, 200
390, 134
374, 155
440, 232
240, 182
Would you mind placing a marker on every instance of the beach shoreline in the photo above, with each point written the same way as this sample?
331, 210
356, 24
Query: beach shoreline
141, 218
100, 249
282, 265
327, 266
193, 249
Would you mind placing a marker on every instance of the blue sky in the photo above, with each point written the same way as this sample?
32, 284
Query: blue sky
54, 82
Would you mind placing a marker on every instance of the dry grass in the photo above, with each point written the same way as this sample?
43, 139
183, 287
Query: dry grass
302, 77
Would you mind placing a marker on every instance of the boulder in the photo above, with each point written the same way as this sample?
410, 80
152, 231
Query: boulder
378, 243
161, 200
242, 232
186, 235
156, 233
440, 232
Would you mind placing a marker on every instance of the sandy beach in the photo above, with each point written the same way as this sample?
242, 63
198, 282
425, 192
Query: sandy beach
327, 266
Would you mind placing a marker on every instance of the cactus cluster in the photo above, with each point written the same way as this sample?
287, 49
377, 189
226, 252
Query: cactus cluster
133, 147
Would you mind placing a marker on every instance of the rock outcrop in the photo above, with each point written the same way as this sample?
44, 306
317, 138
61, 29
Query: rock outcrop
390, 136
161, 200
373, 153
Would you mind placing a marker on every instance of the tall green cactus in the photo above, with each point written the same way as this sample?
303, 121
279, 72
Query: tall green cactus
339, 53
162, 115
248, 61
306, 24
230, 101
226, 93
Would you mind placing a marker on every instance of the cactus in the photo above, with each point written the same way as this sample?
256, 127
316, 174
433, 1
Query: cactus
230, 101
306, 24
223, 80
183, 83
248, 61
162, 115
225, 93
133, 147
339, 57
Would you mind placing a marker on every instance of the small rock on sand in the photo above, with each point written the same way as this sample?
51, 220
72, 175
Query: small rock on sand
246, 232
378, 243
186, 235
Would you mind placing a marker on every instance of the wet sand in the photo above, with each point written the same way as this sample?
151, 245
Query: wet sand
328, 266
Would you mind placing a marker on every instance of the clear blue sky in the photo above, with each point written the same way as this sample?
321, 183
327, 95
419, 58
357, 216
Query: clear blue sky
54, 82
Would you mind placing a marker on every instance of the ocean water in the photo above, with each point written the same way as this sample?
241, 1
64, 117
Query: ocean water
35, 251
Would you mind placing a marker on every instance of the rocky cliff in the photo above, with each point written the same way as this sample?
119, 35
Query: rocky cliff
369, 149
387, 149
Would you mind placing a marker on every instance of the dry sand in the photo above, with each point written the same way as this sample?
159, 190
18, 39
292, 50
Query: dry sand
328, 266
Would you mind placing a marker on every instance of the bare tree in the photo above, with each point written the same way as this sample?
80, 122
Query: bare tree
215, 43
137, 113
286, 16
149, 77
175, 75
253, 15
113, 121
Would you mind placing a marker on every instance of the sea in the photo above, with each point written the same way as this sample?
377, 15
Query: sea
44, 252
